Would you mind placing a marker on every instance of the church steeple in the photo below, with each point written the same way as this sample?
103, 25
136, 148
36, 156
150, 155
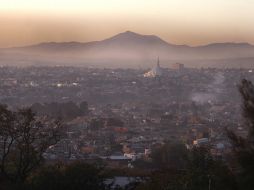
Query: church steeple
156, 71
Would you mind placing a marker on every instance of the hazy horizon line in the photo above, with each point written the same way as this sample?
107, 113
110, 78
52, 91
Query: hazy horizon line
83, 42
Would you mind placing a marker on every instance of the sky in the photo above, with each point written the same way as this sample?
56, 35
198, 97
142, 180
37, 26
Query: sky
190, 22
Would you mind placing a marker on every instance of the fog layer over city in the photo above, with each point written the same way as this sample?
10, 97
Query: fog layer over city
129, 50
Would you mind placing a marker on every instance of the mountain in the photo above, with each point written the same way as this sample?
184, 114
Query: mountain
127, 49
127, 38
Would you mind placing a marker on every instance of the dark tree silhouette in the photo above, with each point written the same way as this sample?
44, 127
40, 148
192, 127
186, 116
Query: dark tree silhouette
170, 155
181, 169
74, 176
65, 110
83, 106
243, 147
23, 140
205, 172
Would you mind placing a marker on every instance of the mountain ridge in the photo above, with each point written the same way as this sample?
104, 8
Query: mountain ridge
124, 48
133, 33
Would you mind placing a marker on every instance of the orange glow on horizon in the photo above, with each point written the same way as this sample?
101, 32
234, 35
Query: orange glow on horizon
192, 22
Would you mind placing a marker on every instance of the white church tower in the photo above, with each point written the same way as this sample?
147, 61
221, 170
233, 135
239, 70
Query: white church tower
155, 71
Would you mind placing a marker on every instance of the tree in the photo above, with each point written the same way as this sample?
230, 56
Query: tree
23, 140
65, 110
195, 169
169, 179
83, 106
74, 176
205, 172
243, 147
170, 155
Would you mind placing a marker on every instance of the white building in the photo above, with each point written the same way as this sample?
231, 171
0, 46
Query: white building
155, 71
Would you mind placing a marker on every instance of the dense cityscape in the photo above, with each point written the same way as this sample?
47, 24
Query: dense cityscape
120, 115
126, 95
129, 126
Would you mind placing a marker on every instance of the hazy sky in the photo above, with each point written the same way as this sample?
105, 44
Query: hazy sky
191, 22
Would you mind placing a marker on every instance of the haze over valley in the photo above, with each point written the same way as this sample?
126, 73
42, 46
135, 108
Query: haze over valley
129, 50
126, 95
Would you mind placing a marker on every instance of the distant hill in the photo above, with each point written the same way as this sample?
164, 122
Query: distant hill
129, 49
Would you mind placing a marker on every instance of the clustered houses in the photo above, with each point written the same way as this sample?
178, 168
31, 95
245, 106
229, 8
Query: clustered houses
129, 114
